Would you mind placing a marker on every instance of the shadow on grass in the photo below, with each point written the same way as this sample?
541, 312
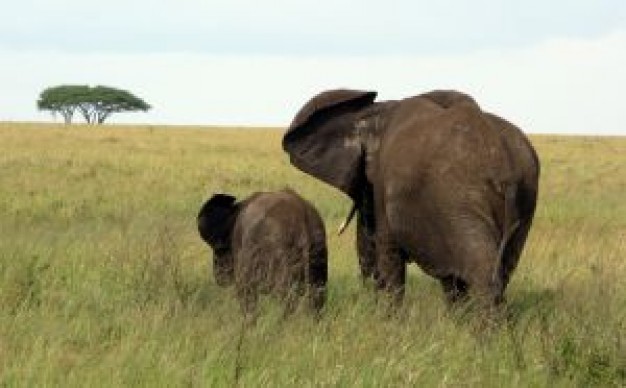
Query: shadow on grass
530, 303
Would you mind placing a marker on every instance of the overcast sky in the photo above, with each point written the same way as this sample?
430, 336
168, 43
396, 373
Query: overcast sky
550, 66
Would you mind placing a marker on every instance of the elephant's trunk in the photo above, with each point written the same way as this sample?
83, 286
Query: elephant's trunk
346, 222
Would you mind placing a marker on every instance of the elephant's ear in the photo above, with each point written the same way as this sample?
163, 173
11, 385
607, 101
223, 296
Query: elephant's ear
215, 219
320, 140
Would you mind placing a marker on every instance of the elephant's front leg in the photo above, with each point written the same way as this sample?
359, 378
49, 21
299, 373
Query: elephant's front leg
390, 261
391, 266
366, 235
366, 249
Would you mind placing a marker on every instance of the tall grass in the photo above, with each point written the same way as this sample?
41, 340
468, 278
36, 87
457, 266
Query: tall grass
104, 281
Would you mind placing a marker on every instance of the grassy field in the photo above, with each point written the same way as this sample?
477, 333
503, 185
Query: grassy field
105, 282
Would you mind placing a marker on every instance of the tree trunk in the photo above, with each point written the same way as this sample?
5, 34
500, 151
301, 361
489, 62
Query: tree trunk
67, 115
86, 113
102, 115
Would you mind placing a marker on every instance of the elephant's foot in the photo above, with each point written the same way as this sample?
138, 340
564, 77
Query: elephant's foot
317, 298
248, 300
488, 294
368, 271
455, 289
484, 302
390, 295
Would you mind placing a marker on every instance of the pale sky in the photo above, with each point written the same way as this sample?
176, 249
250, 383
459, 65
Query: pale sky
549, 66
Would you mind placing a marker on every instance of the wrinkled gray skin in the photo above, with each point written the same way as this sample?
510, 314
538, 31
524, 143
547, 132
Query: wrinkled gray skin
271, 242
434, 180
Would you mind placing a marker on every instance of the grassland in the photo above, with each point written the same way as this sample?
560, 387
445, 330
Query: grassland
104, 281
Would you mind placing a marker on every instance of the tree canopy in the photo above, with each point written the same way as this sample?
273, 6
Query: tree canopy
95, 104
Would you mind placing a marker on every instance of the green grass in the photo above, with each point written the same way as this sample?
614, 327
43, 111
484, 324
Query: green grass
104, 280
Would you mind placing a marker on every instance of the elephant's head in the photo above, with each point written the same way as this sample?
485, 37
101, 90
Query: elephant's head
215, 224
322, 139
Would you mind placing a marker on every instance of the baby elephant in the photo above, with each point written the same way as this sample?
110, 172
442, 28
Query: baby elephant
271, 243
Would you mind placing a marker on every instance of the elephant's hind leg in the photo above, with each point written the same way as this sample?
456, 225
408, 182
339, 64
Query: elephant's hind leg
482, 270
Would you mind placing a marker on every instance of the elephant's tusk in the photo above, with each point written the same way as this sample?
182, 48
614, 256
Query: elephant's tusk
345, 223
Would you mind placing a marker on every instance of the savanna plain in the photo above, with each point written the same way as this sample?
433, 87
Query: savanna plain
104, 280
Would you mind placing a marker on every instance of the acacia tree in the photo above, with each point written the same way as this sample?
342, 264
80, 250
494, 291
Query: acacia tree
95, 104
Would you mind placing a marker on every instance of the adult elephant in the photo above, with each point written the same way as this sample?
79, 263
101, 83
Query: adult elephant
434, 179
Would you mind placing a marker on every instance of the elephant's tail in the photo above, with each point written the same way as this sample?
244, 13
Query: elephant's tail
510, 224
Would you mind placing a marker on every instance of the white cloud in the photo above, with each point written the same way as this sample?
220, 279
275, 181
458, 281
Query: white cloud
559, 86
308, 27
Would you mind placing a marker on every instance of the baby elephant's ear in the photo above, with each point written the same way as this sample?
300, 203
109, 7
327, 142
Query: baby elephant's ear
221, 200
215, 218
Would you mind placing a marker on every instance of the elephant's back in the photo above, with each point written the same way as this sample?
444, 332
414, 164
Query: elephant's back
271, 211
457, 144
522, 153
